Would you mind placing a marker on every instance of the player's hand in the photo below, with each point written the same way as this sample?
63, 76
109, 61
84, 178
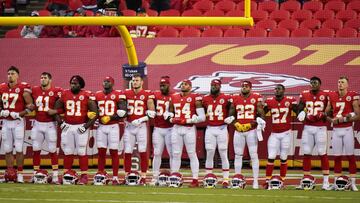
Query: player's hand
301, 116
52, 112
137, 122
91, 115
15, 115
82, 129
168, 115
349, 116
64, 127
151, 113
238, 127
261, 123
121, 113
105, 119
31, 107
229, 120
4, 113
180, 121
194, 119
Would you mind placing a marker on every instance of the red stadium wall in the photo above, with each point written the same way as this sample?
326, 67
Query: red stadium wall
264, 61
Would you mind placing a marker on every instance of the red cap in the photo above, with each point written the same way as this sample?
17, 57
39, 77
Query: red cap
109, 78
165, 81
216, 82
247, 83
187, 81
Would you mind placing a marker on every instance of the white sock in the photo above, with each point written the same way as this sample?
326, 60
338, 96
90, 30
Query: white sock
353, 181
326, 178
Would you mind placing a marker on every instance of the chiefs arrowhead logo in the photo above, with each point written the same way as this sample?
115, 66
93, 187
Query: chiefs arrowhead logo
231, 81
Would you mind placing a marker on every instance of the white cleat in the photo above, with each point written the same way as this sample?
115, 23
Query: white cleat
20, 178
153, 182
354, 188
255, 184
326, 186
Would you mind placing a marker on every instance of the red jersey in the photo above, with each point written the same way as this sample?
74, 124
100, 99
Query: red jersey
216, 108
108, 104
342, 106
142, 30
76, 106
162, 105
314, 104
45, 99
246, 107
12, 98
136, 103
185, 106
280, 113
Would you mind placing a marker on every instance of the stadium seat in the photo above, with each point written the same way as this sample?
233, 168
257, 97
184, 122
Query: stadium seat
170, 12
290, 6
334, 24
191, 12
279, 32
312, 24
256, 32
280, 15
241, 5
212, 32
259, 15
289, 24
168, 32
354, 5
214, 13
128, 12
145, 4
14, 33
234, 32
353, 23
268, 6
151, 12
346, 32
301, 15
203, 5
335, 6
235, 13
346, 15
190, 32
225, 6
75, 4
313, 6
324, 32
266, 24
324, 15
301, 32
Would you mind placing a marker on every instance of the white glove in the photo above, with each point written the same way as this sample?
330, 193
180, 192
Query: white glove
4, 113
301, 116
261, 123
194, 119
229, 120
64, 127
121, 113
151, 113
167, 115
82, 129
15, 115
137, 122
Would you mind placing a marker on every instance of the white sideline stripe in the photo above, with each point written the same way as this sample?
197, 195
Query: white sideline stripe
77, 200
173, 193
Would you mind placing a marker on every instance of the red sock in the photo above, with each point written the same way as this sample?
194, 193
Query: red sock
324, 162
283, 169
352, 164
83, 161
54, 159
337, 164
127, 162
68, 161
101, 159
115, 161
269, 169
143, 162
36, 159
307, 163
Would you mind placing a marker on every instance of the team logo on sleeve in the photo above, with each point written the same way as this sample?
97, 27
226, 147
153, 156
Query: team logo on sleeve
17, 90
322, 98
112, 96
189, 99
142, 97
51, 93
253, 101
287, 104
348, 98
81, 97
221, 101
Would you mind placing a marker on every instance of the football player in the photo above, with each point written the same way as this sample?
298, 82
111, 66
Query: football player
142, 30
16, 102
80, 113
188, 110
344, 105
280, 108
111, 109
162, 128
312, 105
217, 106
44, 127
247, 108
140, 107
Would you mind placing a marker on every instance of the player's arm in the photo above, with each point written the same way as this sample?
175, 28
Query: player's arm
93, 109
151, 113
200, 112
59, 105
29, 104
351, 117
260, 119
231, 114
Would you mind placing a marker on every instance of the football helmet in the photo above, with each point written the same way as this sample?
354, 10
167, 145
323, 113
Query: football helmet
10, 175
70, 177
163, 179
238, 182
175, 179
132, 178
307, 182
275, 183
41, 176
210, 180
101, 178
342, 183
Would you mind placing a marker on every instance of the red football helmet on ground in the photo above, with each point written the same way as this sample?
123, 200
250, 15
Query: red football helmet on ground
275, 183
210, 180
10, 175
175, 179
70, 177
342, 183
101, 178
132, 178
41, 176
238, 182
